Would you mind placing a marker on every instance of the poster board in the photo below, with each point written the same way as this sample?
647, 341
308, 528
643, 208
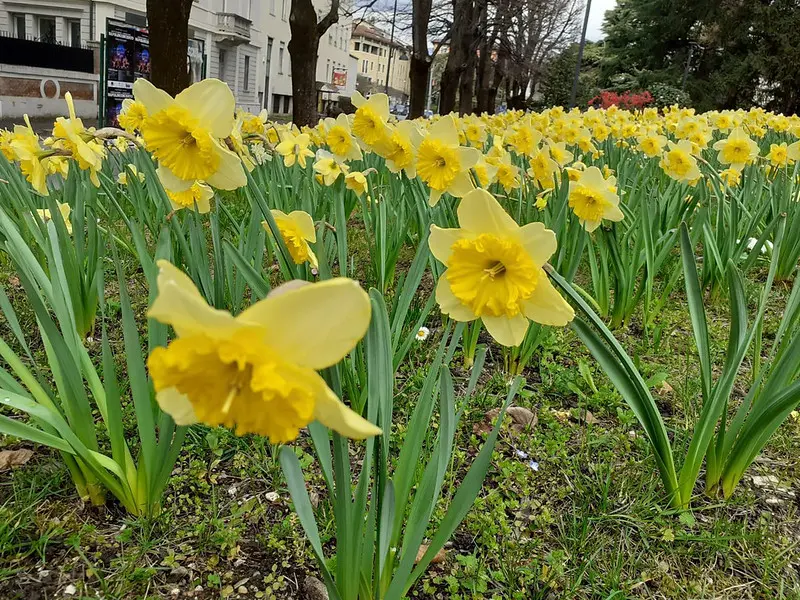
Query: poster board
127, 58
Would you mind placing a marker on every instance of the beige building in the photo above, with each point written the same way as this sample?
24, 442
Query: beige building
373, 48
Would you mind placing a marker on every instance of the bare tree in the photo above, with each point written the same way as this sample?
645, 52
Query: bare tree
303, 50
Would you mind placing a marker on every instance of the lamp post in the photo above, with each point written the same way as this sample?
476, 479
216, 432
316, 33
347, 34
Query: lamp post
391, 47
574, 92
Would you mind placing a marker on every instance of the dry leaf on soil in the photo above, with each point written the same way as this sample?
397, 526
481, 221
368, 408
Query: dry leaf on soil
14, 458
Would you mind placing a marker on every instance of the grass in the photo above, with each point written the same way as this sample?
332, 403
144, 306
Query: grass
587, 520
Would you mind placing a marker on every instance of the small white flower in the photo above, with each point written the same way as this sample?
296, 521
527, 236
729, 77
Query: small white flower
751, 244
533, 465
521, 454
423, 334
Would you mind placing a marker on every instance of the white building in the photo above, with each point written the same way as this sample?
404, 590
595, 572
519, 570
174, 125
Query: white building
333, 62
242, 42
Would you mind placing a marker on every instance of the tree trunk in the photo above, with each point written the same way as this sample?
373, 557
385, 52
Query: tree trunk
421, 63
466, 89
420, 72
168, 22
303, 50
456, 60
497, 79
484, 60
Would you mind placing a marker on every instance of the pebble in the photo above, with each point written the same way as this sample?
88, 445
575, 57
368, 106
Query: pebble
241, 590
70, 590
272, 496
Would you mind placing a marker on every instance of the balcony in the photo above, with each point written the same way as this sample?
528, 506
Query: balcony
232, 29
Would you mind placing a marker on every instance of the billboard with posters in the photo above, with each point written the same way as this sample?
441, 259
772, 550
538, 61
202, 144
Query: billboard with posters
127, 59
339, 78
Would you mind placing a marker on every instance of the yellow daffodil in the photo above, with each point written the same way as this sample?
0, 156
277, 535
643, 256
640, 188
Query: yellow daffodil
30, 154
340, 139
257, 371
560, 154
678, 162
72, 136
64, 210
254, 124
297, 230
543, 169
652, 144
132, 115
357, 182
593, 199
329, 167
779, 155
370, 119
184, 133
475, 131
123, 177
399, 148
485, 172
494, 271
731, 177
294, 149
525, 138
443, 164
737, 149
507, 174
197, 194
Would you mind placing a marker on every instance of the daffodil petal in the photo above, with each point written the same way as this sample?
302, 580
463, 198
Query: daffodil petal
449, 304
177, 406
154, 99
538, 241
230, 174
171, 182
211, 101
468, 157
441, 242
546, 306
315, 325
304, 223
434, 198
507, 331
462, 185
479, 211
357, 99
590, 226
180, 304
445, 130
334, 414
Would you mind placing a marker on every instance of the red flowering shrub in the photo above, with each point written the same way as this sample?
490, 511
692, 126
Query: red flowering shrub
627, 100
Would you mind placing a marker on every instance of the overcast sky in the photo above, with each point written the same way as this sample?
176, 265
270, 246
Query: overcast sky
599, 8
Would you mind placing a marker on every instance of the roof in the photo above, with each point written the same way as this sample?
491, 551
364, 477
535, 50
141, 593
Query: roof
370, 32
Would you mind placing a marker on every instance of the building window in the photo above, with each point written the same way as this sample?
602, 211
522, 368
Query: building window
286, 101
138, 19
47, 30
328, 70
246, 73
18, 22
272, 7
222, 65
276, 103
268, 69
283, 9
74, 33
364, 65
358, 46
281, 52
